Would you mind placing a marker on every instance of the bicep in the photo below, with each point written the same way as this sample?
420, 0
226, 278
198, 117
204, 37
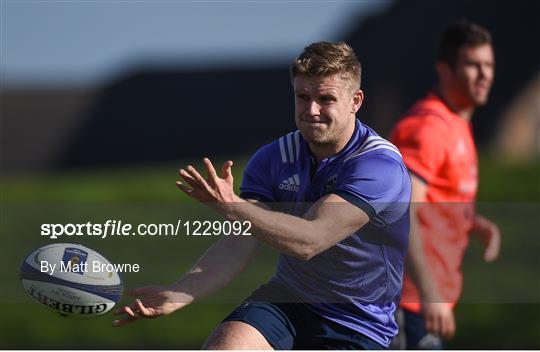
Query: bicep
336, 218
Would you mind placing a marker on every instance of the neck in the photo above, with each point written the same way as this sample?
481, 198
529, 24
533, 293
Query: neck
465, 111
323, 151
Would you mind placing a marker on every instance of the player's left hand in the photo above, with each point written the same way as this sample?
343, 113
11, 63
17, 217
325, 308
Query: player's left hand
489, 234
213, 189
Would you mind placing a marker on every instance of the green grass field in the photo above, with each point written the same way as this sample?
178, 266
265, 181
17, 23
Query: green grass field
500, 308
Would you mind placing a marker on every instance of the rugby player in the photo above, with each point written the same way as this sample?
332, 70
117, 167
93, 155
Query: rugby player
342, 244
436, 140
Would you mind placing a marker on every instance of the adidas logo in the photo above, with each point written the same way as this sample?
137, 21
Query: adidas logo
290, 184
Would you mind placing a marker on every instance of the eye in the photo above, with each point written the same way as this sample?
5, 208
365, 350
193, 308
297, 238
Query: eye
327, 98
303, 97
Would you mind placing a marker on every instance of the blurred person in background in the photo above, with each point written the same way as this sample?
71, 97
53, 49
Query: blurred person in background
436, 141
342, 244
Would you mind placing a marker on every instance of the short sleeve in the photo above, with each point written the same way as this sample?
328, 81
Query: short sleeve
257, 181
422, 144
372, 182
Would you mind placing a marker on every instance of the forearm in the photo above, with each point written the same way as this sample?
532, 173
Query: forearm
286, 233
417, 266
218, 266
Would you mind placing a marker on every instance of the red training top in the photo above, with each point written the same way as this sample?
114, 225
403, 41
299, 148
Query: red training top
437, 146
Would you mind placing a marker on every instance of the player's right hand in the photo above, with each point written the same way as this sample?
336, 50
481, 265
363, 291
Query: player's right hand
151, 302
439, 319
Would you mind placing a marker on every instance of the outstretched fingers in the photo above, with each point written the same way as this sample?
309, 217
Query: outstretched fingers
200, 181
211, 171
187, 190
188, 178
210, 189
133, 312
129, 316
226, 170
142, 310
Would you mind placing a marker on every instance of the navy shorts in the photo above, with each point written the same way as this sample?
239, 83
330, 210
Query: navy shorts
288, 324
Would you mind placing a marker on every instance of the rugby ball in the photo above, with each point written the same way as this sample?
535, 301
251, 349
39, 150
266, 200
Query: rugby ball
71, 279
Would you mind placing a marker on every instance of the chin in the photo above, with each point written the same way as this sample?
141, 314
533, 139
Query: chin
315, 138
480, 101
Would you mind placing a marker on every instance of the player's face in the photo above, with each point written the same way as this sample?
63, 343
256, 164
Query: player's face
325, 108
473, 75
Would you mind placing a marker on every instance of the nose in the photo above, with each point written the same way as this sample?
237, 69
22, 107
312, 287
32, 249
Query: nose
486, 71
314, 108
482, 71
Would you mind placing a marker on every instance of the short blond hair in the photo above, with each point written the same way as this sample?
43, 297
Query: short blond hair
325, 59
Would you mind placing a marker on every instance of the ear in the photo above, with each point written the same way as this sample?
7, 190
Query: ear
357, 100
444, 71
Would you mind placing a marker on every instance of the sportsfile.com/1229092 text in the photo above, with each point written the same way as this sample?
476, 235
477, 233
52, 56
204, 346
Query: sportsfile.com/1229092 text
119, 228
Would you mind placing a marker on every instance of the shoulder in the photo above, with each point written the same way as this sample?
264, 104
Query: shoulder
375, 174
422, 128
288, 147
378, 166
417, 121
423, 136
374, 149
375, 160
427, 114
281, 152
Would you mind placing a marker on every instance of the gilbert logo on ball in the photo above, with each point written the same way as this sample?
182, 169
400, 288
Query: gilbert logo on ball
71, 279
